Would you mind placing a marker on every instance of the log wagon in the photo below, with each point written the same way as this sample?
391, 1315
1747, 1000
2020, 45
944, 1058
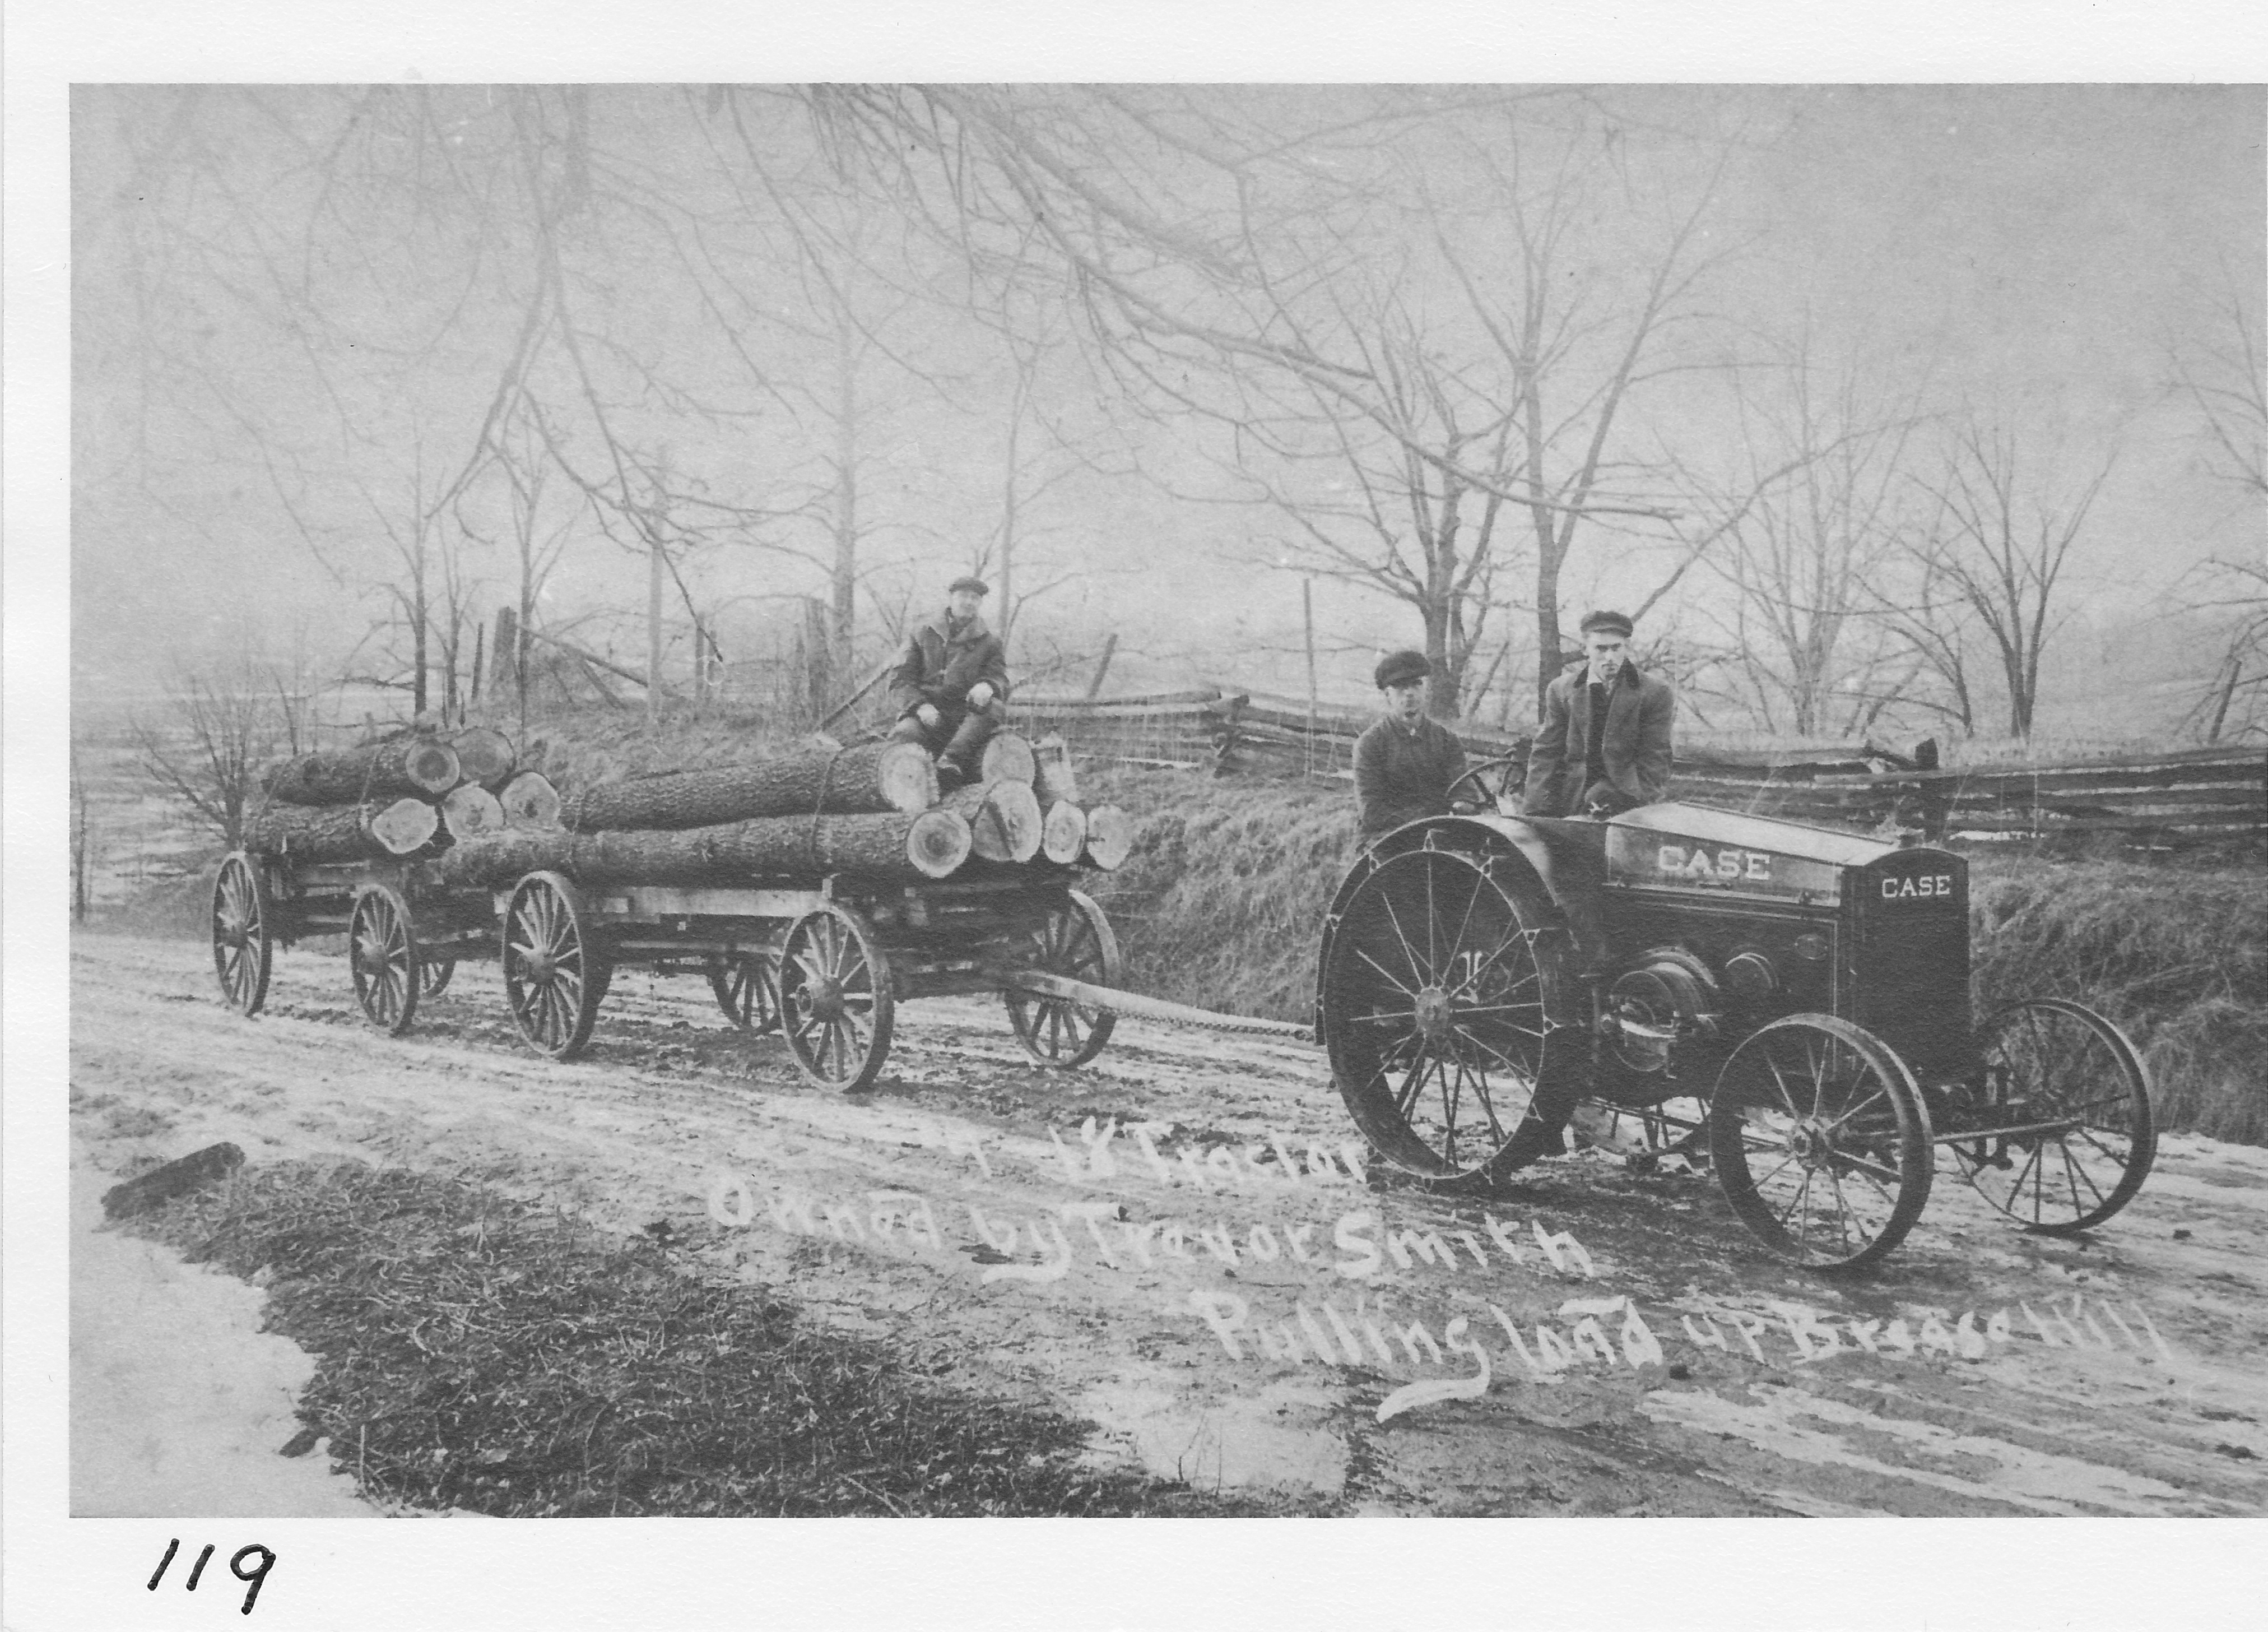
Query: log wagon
821, 957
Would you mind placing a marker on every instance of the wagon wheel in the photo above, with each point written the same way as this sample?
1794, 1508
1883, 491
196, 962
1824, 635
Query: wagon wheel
1821, 1141
1076, 942
835, 999
382, 958
1444, 1009
554, 971
243, 933
1491, 784
436, 972
747, 990
2072, 1079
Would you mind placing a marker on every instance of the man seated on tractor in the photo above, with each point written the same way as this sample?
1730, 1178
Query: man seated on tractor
1603, 748
1604, 744
951, 684
1406, 764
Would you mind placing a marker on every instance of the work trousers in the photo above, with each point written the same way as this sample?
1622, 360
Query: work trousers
960, 736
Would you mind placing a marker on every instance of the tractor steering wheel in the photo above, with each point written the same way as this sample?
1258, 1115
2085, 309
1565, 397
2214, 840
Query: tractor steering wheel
1491, 785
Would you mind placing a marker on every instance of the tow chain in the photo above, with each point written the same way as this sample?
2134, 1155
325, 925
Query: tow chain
1039, 983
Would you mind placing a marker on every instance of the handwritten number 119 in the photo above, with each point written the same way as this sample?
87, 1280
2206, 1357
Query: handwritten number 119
253, 1576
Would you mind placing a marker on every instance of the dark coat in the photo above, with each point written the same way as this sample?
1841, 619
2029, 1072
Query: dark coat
938, 666
1401, 775
1636, 748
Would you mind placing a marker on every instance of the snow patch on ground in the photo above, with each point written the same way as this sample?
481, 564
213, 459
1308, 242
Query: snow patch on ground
178, 1402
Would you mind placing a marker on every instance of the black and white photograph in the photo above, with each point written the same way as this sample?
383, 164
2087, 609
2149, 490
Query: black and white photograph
1192, 795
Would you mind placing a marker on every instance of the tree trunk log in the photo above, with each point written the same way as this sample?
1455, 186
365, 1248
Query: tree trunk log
1062, 833
879, 778
471, 810
1052, 776
417, 766
1110, 837
344, 832
530, 802
484, 755
795, 849
1004, 817
1008, 758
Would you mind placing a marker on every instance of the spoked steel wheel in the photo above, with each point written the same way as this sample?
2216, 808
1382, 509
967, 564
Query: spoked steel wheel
1076, 943
554, 973
382, 958
1821, 1141
1445, 1006
836, 1005
243, 935
745, 989
436, 972
2067, 1100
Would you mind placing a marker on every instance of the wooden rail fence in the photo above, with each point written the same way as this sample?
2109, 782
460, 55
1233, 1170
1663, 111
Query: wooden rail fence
2197, 791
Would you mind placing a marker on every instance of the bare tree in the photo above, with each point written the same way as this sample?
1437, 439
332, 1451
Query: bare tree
1999, 545
221, 726
1803, 648
2226, 382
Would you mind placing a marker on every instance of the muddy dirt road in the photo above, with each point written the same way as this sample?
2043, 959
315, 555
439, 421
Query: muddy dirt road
1179, 1242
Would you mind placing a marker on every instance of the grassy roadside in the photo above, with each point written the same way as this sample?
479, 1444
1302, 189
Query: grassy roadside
478, 1352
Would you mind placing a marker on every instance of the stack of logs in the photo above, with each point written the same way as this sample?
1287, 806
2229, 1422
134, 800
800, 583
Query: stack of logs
874, 811
412, 797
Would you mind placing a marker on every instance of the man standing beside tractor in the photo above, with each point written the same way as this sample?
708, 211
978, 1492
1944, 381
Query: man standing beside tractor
951, 685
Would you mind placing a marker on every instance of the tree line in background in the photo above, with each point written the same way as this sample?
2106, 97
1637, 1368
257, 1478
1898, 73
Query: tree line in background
1440, 344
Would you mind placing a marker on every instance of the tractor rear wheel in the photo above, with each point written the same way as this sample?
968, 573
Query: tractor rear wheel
1446, 1009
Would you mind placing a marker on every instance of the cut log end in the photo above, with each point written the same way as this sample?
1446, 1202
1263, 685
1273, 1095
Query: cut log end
406, 826
484, 755
1008, 758
432, 766
1052, 778
1004, 819
938, 843
1110, 837
471, 810
530, 803
1062, 832
907, 777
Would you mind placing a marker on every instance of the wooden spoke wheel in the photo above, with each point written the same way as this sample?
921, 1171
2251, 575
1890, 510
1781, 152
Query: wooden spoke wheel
1821, 1141
382, 958
1075, 942
243, 933
436, 972
555, 972
835, 1001
1491, 785
747, 990
1445, 1009
2064, 1101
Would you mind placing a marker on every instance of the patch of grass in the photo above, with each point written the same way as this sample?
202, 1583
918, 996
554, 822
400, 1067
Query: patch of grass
2177, 955
478, 1352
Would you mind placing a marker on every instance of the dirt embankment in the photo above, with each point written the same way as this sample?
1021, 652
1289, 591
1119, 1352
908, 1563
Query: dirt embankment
1221, 1287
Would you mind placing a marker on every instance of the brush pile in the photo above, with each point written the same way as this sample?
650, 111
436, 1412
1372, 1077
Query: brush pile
412, 797
874, 811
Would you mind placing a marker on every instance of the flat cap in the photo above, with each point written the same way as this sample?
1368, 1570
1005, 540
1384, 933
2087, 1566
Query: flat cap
1396, 667
1606, 623
967, 580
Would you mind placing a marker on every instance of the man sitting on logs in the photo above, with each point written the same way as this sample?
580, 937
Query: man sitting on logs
1406, 764
951, 685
